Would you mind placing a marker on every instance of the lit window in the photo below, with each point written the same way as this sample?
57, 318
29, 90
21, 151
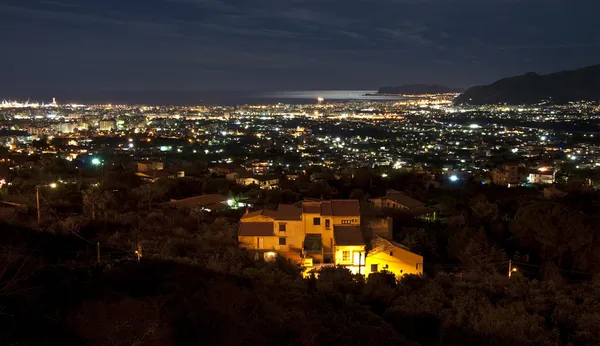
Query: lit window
345, 256
346, 222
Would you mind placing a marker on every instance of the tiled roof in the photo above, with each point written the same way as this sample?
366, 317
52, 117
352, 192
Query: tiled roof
404, 200
335, 207
256, 229
345, 207
348, 235
199, 201
326, 208
288, 212
311, 208
379, 244
261, 212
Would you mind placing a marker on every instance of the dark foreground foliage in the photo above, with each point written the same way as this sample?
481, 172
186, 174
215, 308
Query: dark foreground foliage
229, 300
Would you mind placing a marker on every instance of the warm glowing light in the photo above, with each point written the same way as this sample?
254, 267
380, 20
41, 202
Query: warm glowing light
53, 185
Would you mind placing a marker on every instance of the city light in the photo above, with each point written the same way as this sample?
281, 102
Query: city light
53, 185
453, 178
96, 161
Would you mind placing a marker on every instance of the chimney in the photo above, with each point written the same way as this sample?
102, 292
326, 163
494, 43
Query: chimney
247, 210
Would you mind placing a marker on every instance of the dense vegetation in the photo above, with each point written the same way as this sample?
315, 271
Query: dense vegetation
193, 285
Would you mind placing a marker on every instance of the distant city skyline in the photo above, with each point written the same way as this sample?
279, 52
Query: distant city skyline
71, 46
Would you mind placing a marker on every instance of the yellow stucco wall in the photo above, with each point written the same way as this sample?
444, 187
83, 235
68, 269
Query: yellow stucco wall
337, 220
294, 233
402, 262
354, 255
327, 234
269, 243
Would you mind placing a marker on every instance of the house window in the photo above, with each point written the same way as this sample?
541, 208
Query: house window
282, 227
282, 241
391, 253
346, 222
316, 221
374, 268
327, 223
345, 256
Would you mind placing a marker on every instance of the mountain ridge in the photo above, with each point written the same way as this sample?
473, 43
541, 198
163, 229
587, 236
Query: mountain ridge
561, 87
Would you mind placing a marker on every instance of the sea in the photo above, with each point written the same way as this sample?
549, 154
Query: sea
188, 97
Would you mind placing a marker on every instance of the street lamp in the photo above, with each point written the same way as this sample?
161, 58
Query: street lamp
37, 199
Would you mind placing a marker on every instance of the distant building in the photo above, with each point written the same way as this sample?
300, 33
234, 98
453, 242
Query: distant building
264, 182
145, 166
222, 169
541, 177
107, 125
399, 201
209, 203
153, 170
65, 127
396, 200
509, 175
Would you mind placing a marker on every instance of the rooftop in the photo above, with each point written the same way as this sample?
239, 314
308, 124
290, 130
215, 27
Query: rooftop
256, 229
348, 235
288, 212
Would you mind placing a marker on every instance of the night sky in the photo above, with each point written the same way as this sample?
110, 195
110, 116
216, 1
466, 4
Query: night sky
73, 46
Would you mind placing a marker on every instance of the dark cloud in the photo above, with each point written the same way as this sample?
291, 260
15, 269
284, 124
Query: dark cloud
295, 44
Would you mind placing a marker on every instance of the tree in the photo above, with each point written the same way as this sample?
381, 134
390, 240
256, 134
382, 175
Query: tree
149, 193
357, 194
97, 199
554, 228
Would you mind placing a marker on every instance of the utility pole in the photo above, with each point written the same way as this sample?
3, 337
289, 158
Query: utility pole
509, 268
359, 262
98, 251
37, 200
138, 252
